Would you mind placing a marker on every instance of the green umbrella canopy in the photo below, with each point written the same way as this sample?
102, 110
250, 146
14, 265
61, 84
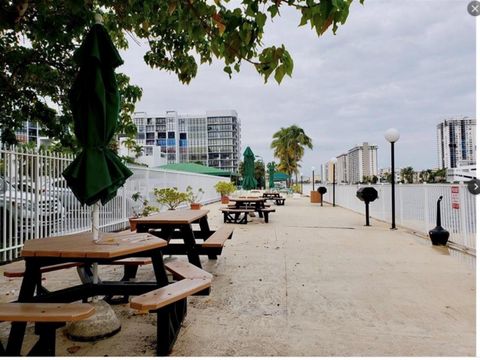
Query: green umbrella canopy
97, 172
249, 181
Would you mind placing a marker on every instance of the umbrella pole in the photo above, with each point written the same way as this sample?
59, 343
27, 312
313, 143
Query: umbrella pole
95, 233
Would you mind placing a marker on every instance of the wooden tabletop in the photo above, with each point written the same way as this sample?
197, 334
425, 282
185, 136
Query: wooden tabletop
249, 199
186, 216
81, 245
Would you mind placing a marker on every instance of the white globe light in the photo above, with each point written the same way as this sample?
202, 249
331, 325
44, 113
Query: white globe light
333, 160
392, 135
313, 168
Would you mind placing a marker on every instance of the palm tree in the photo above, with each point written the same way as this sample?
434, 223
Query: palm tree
289, 147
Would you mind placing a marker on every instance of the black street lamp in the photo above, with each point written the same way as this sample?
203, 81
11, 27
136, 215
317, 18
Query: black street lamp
313, 178
334, 161
392, 135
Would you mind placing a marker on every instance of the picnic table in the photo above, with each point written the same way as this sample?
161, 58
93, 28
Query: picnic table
80, 248
271, 194
245, 205
177, 224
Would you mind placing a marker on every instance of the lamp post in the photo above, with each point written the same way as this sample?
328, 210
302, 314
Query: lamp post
313, 178
334, 161
392, 135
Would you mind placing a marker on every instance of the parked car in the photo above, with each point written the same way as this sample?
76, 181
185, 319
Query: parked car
52, 187
24, 212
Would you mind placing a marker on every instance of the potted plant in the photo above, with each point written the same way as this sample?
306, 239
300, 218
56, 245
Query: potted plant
170, 197
194, 198
225, 188
144, 210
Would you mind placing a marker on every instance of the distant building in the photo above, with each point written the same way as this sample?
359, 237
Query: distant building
31, 133
150, 156
211, 139
385, 172
462, 173
362, 162
456, 143
341, 169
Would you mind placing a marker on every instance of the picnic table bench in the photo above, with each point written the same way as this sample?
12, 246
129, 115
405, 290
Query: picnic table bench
47, 318
237, 217
278, 200
170, 302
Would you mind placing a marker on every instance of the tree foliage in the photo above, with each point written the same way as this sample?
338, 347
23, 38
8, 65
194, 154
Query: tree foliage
38, 39
288, 146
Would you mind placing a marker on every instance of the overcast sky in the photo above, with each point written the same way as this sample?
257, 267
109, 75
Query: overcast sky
406, 64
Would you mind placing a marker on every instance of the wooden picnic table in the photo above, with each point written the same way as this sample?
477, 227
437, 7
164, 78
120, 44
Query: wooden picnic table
177, 224
39, 253
258, 203
271, 194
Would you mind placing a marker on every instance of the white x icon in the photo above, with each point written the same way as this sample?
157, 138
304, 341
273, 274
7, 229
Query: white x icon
475, 8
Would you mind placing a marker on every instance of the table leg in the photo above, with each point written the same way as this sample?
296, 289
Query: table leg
258, 208
205, 228
159, 267
189, 240
27, 291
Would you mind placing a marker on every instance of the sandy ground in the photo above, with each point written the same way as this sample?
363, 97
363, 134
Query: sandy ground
314, 281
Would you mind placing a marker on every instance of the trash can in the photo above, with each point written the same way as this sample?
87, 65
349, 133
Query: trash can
315, 197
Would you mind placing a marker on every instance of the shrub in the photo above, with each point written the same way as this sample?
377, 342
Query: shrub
170, 197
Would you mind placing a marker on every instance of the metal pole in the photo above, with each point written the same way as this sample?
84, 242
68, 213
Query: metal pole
313, 180
333, 185
393, 186
301, 183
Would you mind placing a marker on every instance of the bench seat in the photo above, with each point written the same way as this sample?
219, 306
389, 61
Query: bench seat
170, 302
17, 268
237, 219
47, 318
169, 294
186, 270
45, 312
218, 238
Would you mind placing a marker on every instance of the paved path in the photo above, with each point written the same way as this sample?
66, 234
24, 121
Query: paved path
315, 281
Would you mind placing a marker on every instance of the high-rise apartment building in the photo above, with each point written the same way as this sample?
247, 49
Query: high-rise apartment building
456, 142
341, 169
362, 162
212, 139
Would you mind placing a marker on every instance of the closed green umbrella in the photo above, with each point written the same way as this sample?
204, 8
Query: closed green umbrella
97, 172
249, 181
271, 172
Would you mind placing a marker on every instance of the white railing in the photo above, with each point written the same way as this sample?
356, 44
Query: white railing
35, 201
415, 208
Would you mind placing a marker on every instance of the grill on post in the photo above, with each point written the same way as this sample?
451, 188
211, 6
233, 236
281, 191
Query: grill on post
367, 195
322, 190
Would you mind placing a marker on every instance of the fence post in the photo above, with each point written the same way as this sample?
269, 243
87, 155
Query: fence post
463, 214
400, 197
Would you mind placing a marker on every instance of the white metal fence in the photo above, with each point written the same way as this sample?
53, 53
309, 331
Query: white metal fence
35, 201
415, 208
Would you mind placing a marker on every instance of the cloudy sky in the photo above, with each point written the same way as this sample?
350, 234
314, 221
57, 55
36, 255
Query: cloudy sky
406, 64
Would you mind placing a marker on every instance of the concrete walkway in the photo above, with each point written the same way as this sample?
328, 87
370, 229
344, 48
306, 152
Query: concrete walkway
314, 281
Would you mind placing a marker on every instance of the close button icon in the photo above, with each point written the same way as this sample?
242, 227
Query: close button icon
474, 8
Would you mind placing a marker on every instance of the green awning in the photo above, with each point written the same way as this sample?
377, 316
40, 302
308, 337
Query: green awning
278, 176
195, 168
